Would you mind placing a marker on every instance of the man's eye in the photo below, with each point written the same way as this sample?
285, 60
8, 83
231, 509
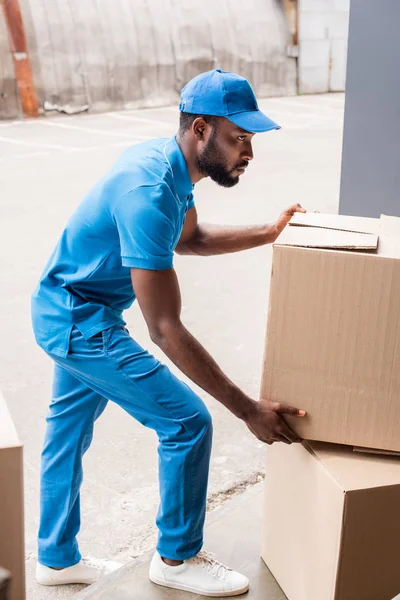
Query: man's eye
241, 138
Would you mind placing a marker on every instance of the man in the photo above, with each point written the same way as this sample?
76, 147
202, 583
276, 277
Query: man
118, 246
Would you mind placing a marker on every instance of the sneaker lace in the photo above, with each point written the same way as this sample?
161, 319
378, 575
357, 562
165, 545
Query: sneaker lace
208, 561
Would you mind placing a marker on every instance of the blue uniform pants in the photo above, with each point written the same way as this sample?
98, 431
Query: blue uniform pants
112, 366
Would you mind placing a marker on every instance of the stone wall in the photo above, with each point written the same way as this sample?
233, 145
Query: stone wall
117, 54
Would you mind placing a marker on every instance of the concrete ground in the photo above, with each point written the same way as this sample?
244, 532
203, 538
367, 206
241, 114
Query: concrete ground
46, 166
241, 551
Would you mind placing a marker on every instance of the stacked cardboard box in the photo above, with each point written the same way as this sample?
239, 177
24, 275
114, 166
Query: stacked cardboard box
12, 555
333, 348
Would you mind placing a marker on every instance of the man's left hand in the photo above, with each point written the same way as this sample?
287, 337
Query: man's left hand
285, 217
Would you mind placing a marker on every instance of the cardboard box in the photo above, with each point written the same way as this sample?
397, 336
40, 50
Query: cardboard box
12, 551
333, 335
331, 522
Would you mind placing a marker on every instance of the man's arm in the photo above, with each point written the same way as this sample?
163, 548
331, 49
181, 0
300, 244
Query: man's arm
208, 240
159, 298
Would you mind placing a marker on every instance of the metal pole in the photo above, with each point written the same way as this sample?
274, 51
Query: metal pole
19, 51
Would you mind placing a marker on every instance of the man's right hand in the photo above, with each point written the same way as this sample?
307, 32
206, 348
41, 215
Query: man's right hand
266, 423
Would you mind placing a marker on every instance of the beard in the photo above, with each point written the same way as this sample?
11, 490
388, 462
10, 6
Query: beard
213, 162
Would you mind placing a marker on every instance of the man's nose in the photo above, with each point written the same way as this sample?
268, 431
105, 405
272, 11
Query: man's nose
248, 153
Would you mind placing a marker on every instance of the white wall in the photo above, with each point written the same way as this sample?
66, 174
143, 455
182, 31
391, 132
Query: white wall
323, 33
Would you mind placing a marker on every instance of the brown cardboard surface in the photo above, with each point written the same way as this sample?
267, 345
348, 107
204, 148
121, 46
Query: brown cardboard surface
369, 563
333, 344
12, 552
355, 471
340, 222
302, 522
317, 237
323, 540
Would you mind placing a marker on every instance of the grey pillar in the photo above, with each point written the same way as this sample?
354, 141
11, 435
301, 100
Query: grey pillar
370, 183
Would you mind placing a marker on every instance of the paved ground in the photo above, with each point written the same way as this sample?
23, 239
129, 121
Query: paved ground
46, 166
241, 551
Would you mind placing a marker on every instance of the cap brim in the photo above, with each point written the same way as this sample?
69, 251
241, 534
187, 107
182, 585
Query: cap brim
253, 121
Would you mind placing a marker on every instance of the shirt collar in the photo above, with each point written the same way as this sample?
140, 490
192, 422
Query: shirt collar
180, 173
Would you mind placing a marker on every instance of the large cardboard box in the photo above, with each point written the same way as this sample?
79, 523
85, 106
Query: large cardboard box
331, 522
333, 334
12, 551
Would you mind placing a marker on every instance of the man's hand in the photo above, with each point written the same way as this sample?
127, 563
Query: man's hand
285, 217
266, 423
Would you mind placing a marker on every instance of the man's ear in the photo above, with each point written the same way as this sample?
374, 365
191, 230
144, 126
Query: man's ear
199, 128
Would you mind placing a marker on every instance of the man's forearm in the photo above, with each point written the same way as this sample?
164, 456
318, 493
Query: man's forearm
194, 361
219, 239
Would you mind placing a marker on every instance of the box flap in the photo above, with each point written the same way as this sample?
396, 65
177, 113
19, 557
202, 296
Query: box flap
389, 237
318, 237
8, 433
375, 451
339, 222
357, 471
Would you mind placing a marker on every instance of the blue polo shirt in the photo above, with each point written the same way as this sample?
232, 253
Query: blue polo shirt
132, 218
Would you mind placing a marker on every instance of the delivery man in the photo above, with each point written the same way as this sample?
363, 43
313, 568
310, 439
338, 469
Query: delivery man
119, 246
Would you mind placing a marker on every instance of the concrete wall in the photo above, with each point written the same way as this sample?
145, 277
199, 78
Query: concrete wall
323, 31
370, 183
132, 53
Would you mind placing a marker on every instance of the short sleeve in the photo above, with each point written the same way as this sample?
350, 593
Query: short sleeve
146, 233
190, 202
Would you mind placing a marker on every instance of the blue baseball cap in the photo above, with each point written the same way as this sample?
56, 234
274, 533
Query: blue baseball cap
223, 94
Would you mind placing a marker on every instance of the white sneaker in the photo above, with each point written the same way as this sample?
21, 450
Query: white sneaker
202, 574
88, 570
